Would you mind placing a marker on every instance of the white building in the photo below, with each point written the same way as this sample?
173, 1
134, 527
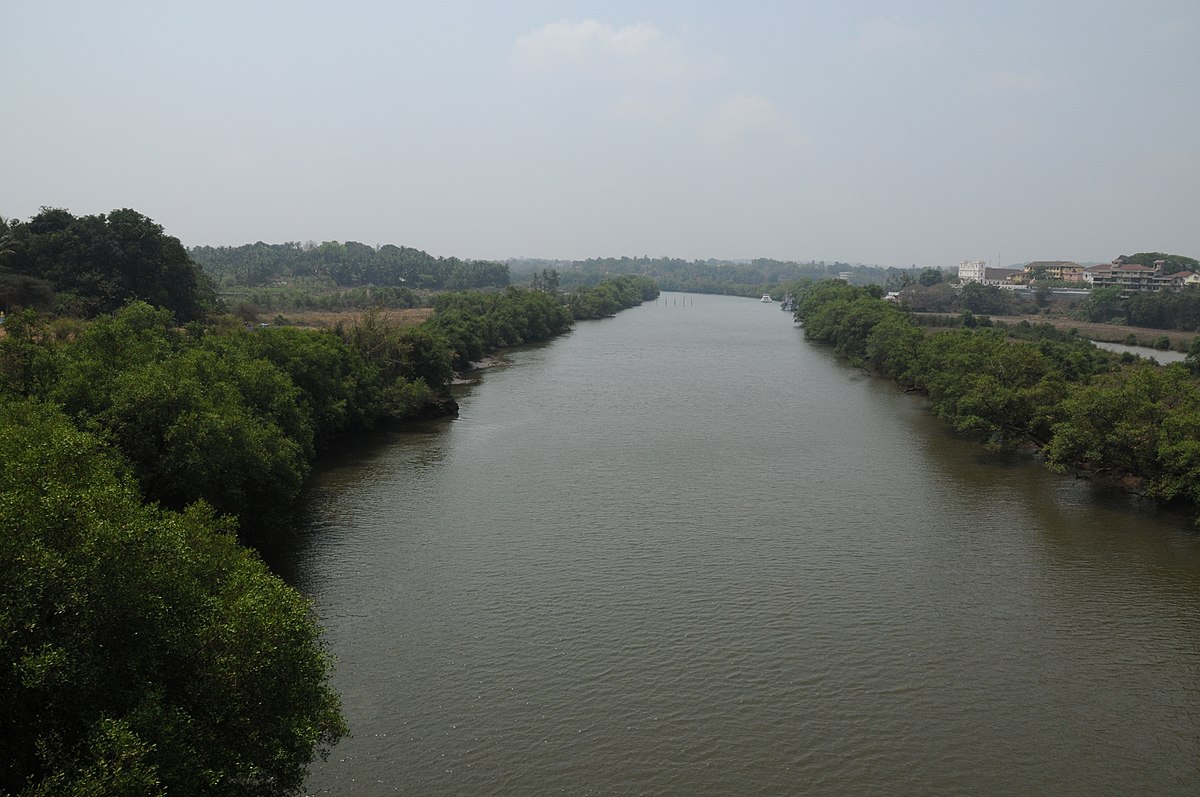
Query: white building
971, 270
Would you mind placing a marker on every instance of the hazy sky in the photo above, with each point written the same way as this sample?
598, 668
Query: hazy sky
890, 133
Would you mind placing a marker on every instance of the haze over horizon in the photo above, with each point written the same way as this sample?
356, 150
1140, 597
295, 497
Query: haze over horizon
907, 134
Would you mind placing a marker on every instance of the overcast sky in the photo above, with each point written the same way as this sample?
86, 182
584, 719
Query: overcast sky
886, 133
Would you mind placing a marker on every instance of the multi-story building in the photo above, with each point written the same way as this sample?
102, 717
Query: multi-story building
1134, 277
971, 270
1002, 277
1061, 270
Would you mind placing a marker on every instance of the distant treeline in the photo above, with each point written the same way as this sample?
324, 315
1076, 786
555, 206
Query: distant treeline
1086, 409
349, 264
726, 277
478, 322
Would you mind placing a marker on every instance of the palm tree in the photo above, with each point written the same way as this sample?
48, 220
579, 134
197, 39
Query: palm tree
8, 244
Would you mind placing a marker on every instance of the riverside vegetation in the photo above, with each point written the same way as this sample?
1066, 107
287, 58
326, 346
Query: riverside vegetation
143, 649
750, 278
1085, 409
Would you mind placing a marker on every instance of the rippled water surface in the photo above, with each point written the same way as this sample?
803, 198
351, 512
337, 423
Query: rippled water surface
684, 551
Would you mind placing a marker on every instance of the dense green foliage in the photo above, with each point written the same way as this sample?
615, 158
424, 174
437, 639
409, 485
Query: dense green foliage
610, 295
1157, 310
1103, 305
1030, 384
983, 299
88, 265
474, 323
1165, 310
142, 651
351, 264
233, 418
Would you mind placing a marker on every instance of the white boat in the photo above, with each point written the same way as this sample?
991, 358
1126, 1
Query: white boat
766, 297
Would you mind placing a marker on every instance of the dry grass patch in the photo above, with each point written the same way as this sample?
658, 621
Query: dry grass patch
324, 319
1109, 333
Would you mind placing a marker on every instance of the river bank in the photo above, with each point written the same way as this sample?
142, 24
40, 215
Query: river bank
1086, 409
600, 579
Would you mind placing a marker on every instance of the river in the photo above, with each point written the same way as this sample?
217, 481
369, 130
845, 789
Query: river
685, 551
1160, 356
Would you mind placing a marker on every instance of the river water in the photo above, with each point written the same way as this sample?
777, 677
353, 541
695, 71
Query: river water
1160, 356
685, 551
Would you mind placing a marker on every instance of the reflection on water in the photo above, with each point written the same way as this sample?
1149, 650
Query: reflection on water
685, 551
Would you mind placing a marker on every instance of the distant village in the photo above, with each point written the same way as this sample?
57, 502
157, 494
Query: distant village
1129, 277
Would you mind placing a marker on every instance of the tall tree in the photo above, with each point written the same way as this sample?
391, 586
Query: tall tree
98, 263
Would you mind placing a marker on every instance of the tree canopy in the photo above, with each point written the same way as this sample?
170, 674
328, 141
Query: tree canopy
1083, 407
233, 418
729, 277
349, 264
88, 265
142, 651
